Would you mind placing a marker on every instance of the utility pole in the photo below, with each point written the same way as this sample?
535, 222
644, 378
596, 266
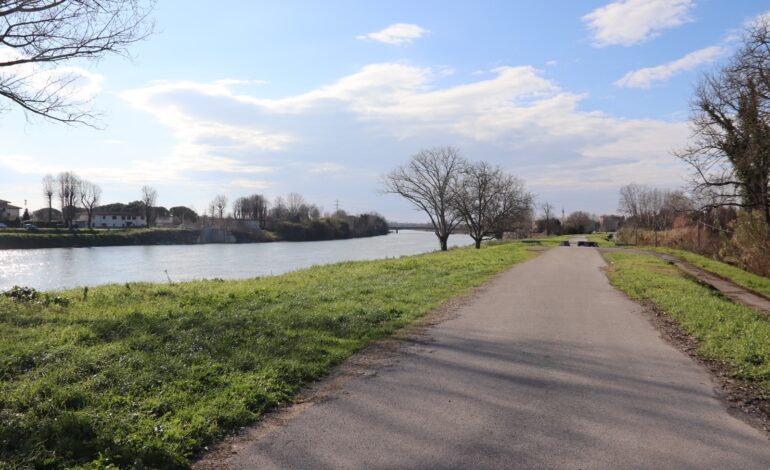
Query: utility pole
336, 205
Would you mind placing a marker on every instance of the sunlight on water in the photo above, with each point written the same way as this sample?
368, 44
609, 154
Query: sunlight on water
62, 268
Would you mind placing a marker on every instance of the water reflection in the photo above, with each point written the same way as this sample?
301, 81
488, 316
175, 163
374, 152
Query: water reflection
61, 268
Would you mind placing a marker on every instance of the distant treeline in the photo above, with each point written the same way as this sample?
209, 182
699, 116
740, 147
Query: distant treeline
294, 219
333, 228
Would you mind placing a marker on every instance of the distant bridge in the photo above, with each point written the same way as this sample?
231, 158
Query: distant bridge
396, 226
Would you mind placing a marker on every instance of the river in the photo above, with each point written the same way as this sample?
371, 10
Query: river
63, 268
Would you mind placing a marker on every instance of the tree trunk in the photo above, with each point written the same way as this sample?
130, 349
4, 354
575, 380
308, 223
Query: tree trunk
443, 241
478, 243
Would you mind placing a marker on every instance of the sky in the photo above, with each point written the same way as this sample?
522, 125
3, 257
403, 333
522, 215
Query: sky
577, 98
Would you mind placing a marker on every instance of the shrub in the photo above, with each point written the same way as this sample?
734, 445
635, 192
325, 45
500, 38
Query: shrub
750, 243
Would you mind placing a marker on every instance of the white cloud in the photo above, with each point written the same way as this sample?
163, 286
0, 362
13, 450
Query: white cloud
326, 167
77, 84
397, 34
628, 22
249, 184
111, 141
353, 129
534, 126
237, 81
645, 77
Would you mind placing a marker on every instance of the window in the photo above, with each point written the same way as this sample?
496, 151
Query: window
114, 217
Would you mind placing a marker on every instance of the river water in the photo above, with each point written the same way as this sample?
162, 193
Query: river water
63, 268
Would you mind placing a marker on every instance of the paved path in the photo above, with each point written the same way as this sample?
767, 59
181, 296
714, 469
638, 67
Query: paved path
549, 368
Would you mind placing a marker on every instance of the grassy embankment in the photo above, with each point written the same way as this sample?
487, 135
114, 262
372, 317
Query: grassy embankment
147, 374
737, 275
737, 335
63, 238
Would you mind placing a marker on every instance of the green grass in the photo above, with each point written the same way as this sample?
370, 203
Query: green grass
743, 278
735, 334
145, 375
601, 239
554, 240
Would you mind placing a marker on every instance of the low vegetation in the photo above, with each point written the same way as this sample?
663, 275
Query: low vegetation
744, 241
63, 238
146, 375
603, 239
734, 334
333, 228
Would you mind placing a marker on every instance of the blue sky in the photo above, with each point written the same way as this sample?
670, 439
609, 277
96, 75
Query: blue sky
322, 98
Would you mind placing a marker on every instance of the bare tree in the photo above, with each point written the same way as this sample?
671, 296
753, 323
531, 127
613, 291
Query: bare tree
652, 208
68, 189
258, 205
89, 194
429, 181
488, 200
279, 210
547, 209
242, 208
49, 189
219, 204
149, 198
294, 203
579, 222
730, 148
39, 35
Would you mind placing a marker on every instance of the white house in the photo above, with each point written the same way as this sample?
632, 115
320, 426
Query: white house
8, 211
111, 220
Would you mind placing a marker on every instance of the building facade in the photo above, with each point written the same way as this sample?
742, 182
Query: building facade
9, 212
111, 220
610, 223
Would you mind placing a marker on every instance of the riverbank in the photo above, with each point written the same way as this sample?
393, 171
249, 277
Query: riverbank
17, 239
149, 374
64, 238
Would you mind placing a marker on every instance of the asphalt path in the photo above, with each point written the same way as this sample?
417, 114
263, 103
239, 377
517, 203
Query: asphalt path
548, 367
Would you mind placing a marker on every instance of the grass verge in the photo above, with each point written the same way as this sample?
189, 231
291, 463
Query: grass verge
146, 375
734, 334
737, 275
601, 239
